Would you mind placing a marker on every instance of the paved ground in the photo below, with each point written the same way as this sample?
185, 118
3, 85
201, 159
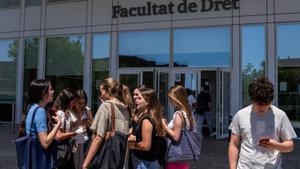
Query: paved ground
214, 153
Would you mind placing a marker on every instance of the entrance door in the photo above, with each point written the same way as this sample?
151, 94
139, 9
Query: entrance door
223, 103
156, 79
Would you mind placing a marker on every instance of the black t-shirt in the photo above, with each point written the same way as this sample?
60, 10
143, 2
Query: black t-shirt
203, 99
152, 154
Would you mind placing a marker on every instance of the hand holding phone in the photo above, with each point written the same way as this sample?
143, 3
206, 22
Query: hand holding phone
264, 140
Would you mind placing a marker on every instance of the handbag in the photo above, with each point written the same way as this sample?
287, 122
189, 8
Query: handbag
111, 155
30, 154
186, 149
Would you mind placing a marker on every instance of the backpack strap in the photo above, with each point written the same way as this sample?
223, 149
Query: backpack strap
32, 118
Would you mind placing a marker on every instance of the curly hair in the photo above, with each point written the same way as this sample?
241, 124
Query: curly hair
261, 91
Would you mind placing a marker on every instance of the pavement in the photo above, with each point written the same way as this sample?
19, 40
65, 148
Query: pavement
213, 154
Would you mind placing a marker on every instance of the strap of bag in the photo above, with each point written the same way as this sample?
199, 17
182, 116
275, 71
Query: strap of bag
113, 117
32, 118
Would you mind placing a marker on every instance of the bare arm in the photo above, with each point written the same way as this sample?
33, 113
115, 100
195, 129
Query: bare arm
174, 133
92, 151
147, 129
284, 147
233, 151
63, 135
46, 139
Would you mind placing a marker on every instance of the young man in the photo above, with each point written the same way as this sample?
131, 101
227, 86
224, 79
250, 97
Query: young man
260, 132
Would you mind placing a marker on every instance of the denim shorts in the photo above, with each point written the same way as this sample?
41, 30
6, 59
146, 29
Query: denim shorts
144, 164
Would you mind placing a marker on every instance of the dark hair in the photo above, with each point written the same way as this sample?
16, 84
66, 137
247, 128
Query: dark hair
188, 91
205, 87
261, 91
64, 98
82, 95
35, 93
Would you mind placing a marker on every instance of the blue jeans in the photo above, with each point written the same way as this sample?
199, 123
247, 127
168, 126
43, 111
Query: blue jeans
144, 164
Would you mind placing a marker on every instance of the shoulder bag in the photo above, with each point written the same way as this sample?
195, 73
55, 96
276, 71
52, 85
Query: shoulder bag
186, 149
111, 154
30, 154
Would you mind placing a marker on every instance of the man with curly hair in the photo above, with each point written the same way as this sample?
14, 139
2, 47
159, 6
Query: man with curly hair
260, 131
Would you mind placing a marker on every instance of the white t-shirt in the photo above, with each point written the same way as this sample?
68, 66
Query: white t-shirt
66, 121
251, 127
191, 100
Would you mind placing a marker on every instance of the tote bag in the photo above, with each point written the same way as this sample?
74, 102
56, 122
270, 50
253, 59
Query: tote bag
186, 149
111, 154
30, 154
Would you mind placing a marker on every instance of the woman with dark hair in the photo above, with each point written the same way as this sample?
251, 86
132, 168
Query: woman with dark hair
182, 118
84, 119
148, 129
39, 94
115, 96
63, 104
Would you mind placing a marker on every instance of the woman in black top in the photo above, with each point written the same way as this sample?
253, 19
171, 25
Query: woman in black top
147, 130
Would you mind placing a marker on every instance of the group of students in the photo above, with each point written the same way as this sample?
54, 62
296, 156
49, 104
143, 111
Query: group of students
70, 124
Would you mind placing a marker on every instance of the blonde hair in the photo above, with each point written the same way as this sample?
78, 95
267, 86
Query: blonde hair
119, 91
178, 94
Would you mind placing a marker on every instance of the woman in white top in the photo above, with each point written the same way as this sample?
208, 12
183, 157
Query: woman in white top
181, 118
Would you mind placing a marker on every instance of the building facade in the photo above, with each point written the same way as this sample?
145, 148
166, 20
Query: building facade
220, 43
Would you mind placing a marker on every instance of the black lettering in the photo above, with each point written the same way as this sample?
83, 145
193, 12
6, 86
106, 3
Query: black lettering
149, 8
170, 6
163, 10
182, 7
124, 12
236, 4
116, 11
141, 11
132, 11
227, 5
154, 9
209, 6
193, 7
217, 5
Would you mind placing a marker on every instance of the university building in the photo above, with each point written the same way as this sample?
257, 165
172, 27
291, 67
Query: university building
220, 43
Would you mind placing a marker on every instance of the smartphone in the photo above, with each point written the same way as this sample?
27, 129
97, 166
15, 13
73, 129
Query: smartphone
263, 140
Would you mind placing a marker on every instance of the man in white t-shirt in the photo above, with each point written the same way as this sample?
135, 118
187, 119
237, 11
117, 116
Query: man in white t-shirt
260, 132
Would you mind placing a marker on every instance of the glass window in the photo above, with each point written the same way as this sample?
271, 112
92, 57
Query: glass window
30, 62
33, 2
8, 66
288, 54
51, 1
64, 62
9, 3
202, 47
144, 49
253, 57
100, 68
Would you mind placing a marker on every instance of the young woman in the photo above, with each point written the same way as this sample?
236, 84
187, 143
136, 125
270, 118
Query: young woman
64, 103
181, 118
39, 94
147, 130
84, 119
117, 94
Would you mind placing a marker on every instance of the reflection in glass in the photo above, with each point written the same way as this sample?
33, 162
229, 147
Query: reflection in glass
30, 63
64, 62
253, 57
202, 47
8, 66
288, 51
144, 49
148, 79
100, 68
9, 3
33, 2
130, 80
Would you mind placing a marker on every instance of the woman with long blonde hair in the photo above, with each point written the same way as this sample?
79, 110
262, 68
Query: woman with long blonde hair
181, 118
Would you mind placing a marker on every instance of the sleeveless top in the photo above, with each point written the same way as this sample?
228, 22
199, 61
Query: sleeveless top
152, 154
187, 121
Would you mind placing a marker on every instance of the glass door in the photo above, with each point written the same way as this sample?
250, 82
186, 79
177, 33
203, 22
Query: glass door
130, 79
223, 103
